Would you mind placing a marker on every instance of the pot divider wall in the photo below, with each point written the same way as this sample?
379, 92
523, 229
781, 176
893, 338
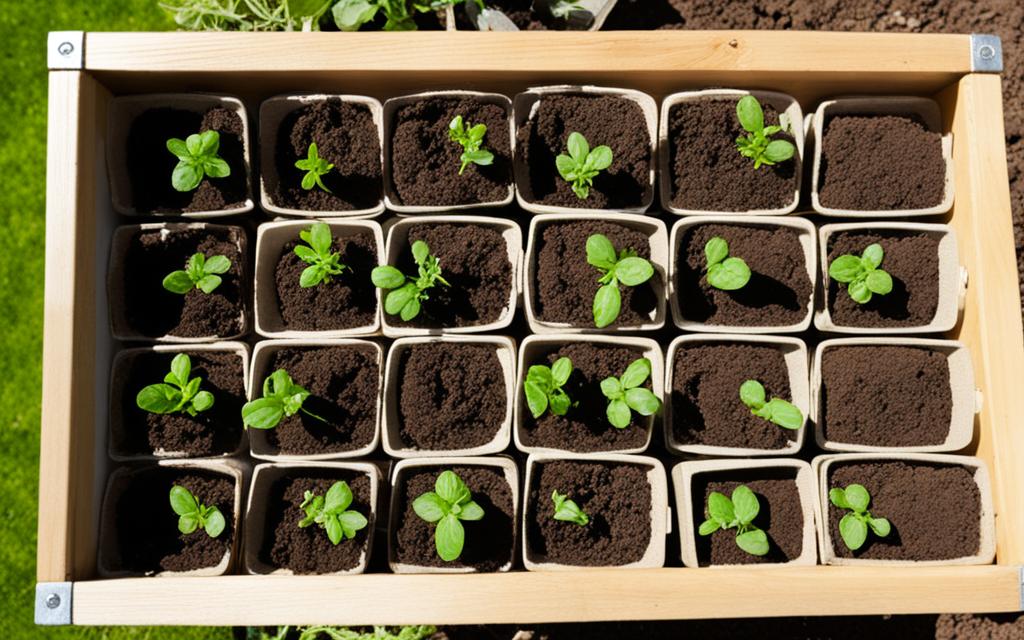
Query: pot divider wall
588, 16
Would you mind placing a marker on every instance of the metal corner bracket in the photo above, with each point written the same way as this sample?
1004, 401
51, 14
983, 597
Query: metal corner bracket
986, 53
65, 50
53, 603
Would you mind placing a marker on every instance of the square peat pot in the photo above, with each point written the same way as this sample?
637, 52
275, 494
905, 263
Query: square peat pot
586, 15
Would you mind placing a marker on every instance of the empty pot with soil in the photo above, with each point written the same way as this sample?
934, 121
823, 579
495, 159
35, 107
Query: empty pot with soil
530, 15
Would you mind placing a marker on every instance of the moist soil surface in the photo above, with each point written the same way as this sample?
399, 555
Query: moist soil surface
345, 136
906, 402
709, 174
585, 427
565, 284
881, 163
912, 259
779, 292
450, 395
616, 497
150, 164
154, 311
425, 161
614, 121
216, 431
489, 542
780, 516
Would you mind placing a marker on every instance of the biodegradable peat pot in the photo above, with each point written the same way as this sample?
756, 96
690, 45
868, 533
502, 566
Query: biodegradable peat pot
136, 507
483, 292
139, 165
274, 543
421, 162
777, 299
585, 428
605, 488
904, 395
703, 173
343, 377
136, 434
703, 374
928, 282
528, 15
623, 119
141, 256
941, 494
490, 542
347, 306
449, 396
563, 301
347, 131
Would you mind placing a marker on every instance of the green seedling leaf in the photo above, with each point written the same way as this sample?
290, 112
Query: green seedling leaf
862, 275
177, 393
405, 295
446, 506
853, 527
626, 395
736, 513
323, 263
197, 158
567, 510
194, 515
582, 165
471, 139
200, 272
543, 388
757, 144
331, 512
624, 267
350, 15
724, 272
281, 398
315, 168
777, 411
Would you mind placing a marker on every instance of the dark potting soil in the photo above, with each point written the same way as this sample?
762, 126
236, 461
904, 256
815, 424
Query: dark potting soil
148, 540
934, 510
150, 164
880, 163
520, 12
912, 259
425, 161
154, 311
347, 137
779, 292
218, 430
616, 497
347, 301
565, 283
585, 427
886, 396
451, 396
706, 405
309, 550
780, 516
709, 174
489, 541
615, 121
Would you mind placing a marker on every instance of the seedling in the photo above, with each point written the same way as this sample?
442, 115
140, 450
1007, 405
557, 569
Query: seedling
447, 505
854, 525
623, 267
315, 168
777, 411
331, 512
757, 144
406, 294
323, 263
724, 272
862, 276
582, 164
471, 138
197, 157
177, 393
567, 510
626, 395
377, 632
200, 272
281, 397
737, 513
543, 388
563, 8
193, 514
350, 15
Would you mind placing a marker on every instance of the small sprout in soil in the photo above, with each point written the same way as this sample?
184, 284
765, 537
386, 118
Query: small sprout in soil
562, 8
724, 271
471, 138
323, 263
854, 526
625, 394
406, 294
197, 157
737, 513
350, 15
315, 167
861, 274
777, 411
281, 397
176, 393
448, 504
193, 514
543, 388
567, 510
624, 267
200, 272
331, 513
757, 144
582, 164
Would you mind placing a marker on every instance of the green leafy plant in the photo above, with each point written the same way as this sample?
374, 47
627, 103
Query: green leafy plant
724, 271
350, 15
543, 388
200, 272
197, 157
194, 515
448, 505
281, 397
736, 513
471, 138
853, 527
582, 165
177, 393
323, 263
862, 275
757, 144
777, 411
248, 15
406, 294
332, 513
563, 8
624, 267
626, 395
315, 168
567, 510
317, 632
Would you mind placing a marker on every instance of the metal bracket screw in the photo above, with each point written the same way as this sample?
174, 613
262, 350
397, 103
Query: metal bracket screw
53, 603
986, 53
64, 50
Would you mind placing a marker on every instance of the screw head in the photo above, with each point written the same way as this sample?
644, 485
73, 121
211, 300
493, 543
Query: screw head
65, 49
987, 52
52, 601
